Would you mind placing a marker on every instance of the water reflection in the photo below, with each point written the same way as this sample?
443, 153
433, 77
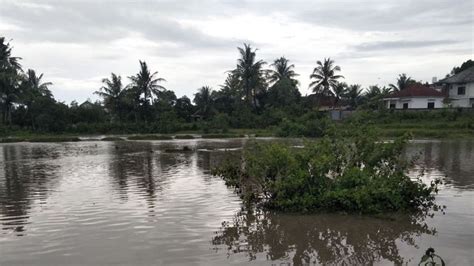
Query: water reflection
323, 239
453, 161
143, 169
27, 177
102, 203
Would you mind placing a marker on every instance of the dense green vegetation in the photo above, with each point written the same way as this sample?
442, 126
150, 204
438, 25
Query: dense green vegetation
254, 99
349, 170
432, 124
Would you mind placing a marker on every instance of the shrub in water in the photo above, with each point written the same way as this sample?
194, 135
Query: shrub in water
350, 170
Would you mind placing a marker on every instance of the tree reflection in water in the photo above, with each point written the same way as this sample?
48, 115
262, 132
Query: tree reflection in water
322, 238
27, 174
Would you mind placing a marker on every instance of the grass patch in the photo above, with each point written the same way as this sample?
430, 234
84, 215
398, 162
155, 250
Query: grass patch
426, 132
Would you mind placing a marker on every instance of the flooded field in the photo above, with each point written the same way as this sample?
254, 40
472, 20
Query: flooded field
148, 203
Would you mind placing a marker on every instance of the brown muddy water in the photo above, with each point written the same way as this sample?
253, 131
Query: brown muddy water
139, 203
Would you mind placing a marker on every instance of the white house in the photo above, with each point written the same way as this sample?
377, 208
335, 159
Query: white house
460, 88
415, 96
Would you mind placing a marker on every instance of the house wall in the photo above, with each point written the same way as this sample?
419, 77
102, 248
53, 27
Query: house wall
415, 102
461, 100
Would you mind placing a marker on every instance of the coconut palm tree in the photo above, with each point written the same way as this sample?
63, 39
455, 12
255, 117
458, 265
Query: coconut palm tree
145, 84
34, 85
374, 96
6, 58
403, 81
142, 89
375, 91
250, 73
282, 70
204, 101
113, 94
353, 94
340, 90
325, 77
232, 86
31, 89
10, 69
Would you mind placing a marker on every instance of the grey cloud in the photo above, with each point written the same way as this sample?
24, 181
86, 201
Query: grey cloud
79, 22
390, 45
382, 15
399, 26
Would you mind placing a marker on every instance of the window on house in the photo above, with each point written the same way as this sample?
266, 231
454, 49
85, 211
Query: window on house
461, 90
392, 106
431, 105
405, 106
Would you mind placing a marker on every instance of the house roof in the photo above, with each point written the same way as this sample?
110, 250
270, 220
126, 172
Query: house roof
417, 90
464, 76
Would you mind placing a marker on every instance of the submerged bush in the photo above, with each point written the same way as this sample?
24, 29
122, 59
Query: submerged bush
350, 170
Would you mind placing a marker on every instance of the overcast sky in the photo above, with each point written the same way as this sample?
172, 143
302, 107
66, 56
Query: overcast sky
76, 43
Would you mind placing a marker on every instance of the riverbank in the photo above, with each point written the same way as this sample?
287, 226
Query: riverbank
75, 138
417, 131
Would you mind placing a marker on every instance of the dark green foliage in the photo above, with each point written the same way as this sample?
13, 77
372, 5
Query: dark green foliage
204, 102
251, 98
469, 63
349, 170
311, 124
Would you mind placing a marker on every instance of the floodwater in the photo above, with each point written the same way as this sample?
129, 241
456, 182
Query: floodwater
139, 203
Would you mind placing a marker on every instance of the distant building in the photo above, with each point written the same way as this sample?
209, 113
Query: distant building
459, 88
415, 96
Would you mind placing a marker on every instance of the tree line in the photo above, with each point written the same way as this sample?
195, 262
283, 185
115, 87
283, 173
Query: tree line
252, 96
